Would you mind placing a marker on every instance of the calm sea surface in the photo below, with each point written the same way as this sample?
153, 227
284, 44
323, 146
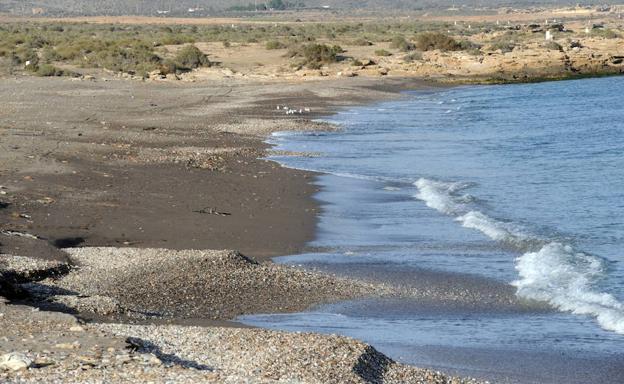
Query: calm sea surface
504, 205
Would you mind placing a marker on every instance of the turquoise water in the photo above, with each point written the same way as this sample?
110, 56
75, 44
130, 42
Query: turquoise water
510, 196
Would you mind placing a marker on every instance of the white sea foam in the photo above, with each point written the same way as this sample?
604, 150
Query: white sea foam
556, 273
492, 228
565, 278
442, 196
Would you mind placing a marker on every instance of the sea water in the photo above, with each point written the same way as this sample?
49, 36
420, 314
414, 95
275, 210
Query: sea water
503, 206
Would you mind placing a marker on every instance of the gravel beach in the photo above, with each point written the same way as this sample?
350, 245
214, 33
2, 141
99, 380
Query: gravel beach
216, 285
55, 348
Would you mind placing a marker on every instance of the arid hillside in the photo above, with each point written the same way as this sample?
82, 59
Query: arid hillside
203, 8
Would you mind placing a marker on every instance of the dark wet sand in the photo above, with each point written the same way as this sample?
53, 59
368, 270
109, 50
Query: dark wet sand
88, 163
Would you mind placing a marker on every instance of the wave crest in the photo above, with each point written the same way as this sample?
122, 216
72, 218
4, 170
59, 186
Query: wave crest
564, 278
554, 273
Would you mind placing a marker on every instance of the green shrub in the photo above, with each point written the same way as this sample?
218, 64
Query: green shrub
469, 46
45, 70
400, 43
506, 42
49, 54
274, 44
37, 42
553, 46
168, 66
315, 55
26, 55
428, 41
606, 33
503, 46
129, 57
382, 52
190, 57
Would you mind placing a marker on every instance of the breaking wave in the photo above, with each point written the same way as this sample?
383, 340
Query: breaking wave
549, 271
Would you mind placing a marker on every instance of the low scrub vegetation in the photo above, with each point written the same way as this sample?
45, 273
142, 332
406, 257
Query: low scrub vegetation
130, 49
553, 46
191, 57
401, 43
315, 55
46, 70
141, 49
503, 46
505, 43
606, 33
429, 41
275, 44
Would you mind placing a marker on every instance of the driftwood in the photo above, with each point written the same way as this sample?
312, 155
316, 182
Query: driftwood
18, 234
212, 211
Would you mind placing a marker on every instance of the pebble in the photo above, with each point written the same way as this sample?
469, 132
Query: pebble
74, 345
14, 361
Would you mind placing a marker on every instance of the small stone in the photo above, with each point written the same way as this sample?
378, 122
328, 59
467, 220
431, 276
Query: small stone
122, 359
367, 62
150, 359
14, 361
74, 345
88, 360
76, 328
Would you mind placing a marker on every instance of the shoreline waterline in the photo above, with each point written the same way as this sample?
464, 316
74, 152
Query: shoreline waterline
367, 192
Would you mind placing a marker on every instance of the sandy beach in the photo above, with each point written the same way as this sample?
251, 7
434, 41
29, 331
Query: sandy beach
102, 202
